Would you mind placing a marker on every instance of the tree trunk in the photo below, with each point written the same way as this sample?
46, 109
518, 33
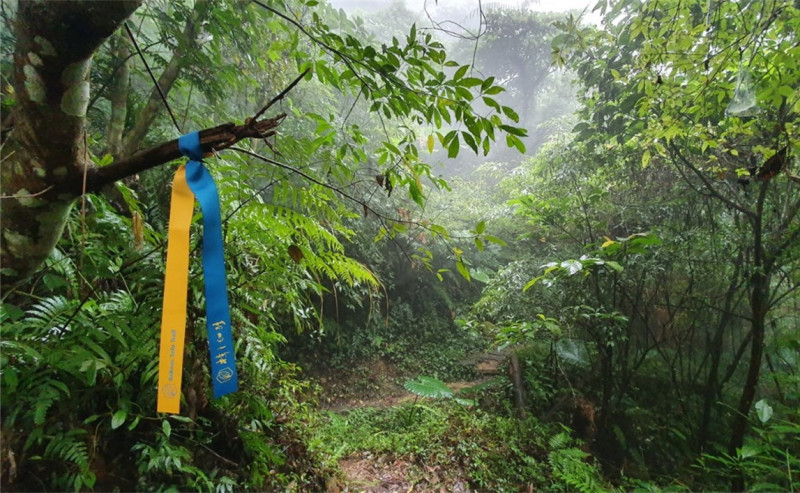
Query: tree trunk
44, 163
118, 96
607, 372
55, 42
759, 301
713, 386
759, 306
519, 388
166, 81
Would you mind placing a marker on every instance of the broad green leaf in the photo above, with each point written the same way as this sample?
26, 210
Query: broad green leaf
463, 270
495, 240
381, 234
481, 276
531, 283
645, 159
491, 103
513, 141
764, 410
470, 140
118, 418
471, 82
428, 387
748, 451
453, 148
415, 191
511, 114
519, 132
440, 230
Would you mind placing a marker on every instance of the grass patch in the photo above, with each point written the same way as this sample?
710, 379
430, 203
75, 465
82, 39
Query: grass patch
492, 452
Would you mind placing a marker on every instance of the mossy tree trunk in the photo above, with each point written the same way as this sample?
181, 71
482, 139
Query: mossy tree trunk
55, 42
45, 162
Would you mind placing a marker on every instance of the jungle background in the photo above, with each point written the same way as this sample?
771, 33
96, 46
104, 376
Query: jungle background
488, 248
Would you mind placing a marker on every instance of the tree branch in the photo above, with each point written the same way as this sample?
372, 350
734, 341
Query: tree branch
211, 139
282, 94
708, 185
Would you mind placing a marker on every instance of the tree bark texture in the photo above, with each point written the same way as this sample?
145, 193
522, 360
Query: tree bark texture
519, 388
55, 42
45, 163
118, 96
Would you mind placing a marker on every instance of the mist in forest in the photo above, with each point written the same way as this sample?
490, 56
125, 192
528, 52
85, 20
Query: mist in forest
509, 40
464, 246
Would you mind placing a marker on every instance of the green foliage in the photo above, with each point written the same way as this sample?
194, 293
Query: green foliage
572, 468
513, 333
769, 460
594, 305
429, 387
496, 453
79, 376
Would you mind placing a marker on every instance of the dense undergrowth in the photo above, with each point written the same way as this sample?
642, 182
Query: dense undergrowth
637, 274
491, 451
79, 379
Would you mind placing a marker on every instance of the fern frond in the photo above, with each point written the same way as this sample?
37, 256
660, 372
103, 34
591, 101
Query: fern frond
570, 467
559, 440
70, 448
48, 317
49, 391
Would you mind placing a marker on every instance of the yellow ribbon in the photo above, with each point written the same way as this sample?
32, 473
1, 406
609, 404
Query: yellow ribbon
176, 284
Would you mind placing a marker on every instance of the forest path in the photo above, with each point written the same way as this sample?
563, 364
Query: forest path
377, 386
383, 473
397, 397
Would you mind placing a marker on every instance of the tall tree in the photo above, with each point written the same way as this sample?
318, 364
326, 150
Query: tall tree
677, 78
46, 162
287, 200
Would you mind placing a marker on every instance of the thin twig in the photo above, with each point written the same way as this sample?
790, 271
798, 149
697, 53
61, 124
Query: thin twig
708, 185
282, 94
28, 196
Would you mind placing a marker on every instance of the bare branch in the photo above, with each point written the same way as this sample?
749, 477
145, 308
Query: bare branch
708, 185
282, 94
212, 139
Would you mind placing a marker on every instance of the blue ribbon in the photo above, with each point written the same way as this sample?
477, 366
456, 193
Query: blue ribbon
218, 319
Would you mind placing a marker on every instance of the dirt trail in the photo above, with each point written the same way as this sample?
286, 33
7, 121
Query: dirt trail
377, 386
397, 397
389, 475
365, 472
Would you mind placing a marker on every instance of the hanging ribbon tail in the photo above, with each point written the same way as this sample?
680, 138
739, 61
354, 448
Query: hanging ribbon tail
176, 283
224, 376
